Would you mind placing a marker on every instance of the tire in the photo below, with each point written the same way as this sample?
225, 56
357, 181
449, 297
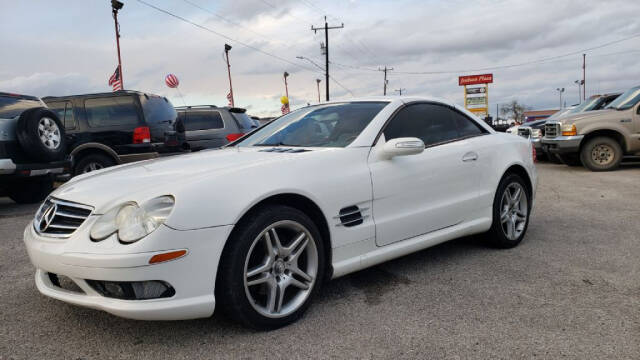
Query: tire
92, 162
247, 250
601, 153
518, 213
570, 159
31, 190
41, 135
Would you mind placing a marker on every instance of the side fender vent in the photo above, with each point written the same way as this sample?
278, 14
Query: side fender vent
351, 216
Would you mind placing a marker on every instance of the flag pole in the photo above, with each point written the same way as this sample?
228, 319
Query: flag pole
227, 47
115, 6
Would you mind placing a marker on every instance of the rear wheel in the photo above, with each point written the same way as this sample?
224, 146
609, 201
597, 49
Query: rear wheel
511, 209
92, 162
41, 135
601, 154
31, 190
271, 268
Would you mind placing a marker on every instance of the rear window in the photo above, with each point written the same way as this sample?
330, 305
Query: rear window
111, 111
13, 106
201, 120
244, 121
158, 110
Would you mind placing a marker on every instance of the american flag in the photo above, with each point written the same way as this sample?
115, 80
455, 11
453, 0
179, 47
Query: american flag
115, 81
285, 109
230, 98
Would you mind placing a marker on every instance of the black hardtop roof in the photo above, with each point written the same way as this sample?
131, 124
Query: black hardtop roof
110, 93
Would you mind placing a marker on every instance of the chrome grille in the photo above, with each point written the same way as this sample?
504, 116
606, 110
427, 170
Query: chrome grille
524, 132
58, 218
551, 130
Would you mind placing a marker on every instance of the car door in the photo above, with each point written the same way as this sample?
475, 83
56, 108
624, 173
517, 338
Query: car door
418, 194
204, 129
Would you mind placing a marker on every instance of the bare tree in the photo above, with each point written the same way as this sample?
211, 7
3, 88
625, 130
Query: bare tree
514, 110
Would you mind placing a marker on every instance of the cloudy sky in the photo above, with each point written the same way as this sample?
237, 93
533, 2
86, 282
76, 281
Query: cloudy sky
68, 47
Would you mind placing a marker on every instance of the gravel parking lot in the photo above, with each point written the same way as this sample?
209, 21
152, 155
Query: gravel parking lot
571, 289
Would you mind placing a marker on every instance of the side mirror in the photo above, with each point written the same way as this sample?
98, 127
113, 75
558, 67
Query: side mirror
401, 147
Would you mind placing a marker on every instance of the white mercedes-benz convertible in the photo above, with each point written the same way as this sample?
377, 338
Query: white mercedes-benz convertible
256, 227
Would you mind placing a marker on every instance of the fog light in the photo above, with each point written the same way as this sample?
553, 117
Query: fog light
132, 290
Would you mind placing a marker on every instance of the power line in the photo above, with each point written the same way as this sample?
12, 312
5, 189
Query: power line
538, 61
224, 36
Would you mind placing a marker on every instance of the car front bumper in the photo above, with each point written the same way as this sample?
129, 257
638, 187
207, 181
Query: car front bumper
562, 144
79, 259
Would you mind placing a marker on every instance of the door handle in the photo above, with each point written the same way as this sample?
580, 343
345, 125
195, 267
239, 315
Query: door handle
470, 156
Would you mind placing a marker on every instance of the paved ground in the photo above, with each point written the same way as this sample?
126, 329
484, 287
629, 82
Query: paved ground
571, 290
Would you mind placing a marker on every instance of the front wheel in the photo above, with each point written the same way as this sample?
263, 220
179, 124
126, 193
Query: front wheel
271, 268
511, 210
601, 154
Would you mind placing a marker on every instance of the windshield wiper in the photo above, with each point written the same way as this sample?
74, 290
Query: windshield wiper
275, 144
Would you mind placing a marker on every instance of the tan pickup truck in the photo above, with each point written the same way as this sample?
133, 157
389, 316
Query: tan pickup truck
597, 139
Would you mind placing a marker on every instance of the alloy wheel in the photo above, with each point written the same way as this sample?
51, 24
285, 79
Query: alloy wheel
92, 166
49, 133
280, 269
513, 211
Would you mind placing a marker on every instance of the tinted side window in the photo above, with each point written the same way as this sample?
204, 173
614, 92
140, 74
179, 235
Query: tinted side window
157, 109
466, 126
203, 121
111, 111
64, 110
429, 122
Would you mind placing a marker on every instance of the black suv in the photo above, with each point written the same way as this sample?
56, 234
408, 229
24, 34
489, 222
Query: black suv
209, 126
32, 148
118, 127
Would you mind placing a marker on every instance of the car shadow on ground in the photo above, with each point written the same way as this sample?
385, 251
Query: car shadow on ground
367, 286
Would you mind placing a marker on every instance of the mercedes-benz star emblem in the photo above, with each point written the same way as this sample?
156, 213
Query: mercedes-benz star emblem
47, 217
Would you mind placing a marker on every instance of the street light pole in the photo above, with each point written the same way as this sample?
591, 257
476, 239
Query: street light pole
318, 84
579, 82
560, 91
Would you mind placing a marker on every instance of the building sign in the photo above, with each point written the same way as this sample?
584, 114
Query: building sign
478, 90
475, 79
476, 99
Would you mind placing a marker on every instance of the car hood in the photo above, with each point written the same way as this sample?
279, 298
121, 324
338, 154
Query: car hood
584, 116
167, 176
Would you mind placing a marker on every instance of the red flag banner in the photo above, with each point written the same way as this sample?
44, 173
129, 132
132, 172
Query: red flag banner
115, 81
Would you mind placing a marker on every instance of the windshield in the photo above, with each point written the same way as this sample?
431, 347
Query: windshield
626, 100
586, 106
332, 125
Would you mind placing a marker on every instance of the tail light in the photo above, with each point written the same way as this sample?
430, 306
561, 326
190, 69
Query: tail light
534, 154
234, 137
141, 135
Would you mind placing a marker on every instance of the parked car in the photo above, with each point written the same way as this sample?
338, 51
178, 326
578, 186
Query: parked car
32, 148
598, 139
117, 127
209, 126
153, 243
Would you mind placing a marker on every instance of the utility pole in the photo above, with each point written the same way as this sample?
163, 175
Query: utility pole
318, 84
227, 47
326, 29
384, 91
584, 77
400, 90
115, 6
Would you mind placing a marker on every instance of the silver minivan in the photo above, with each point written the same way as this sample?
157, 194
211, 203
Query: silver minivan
209, 126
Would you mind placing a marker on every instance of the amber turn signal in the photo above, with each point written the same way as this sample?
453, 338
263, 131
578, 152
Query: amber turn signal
155, 259
571, 132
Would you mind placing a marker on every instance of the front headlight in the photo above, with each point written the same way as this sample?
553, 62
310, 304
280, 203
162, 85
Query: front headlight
131, 221
536, 133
